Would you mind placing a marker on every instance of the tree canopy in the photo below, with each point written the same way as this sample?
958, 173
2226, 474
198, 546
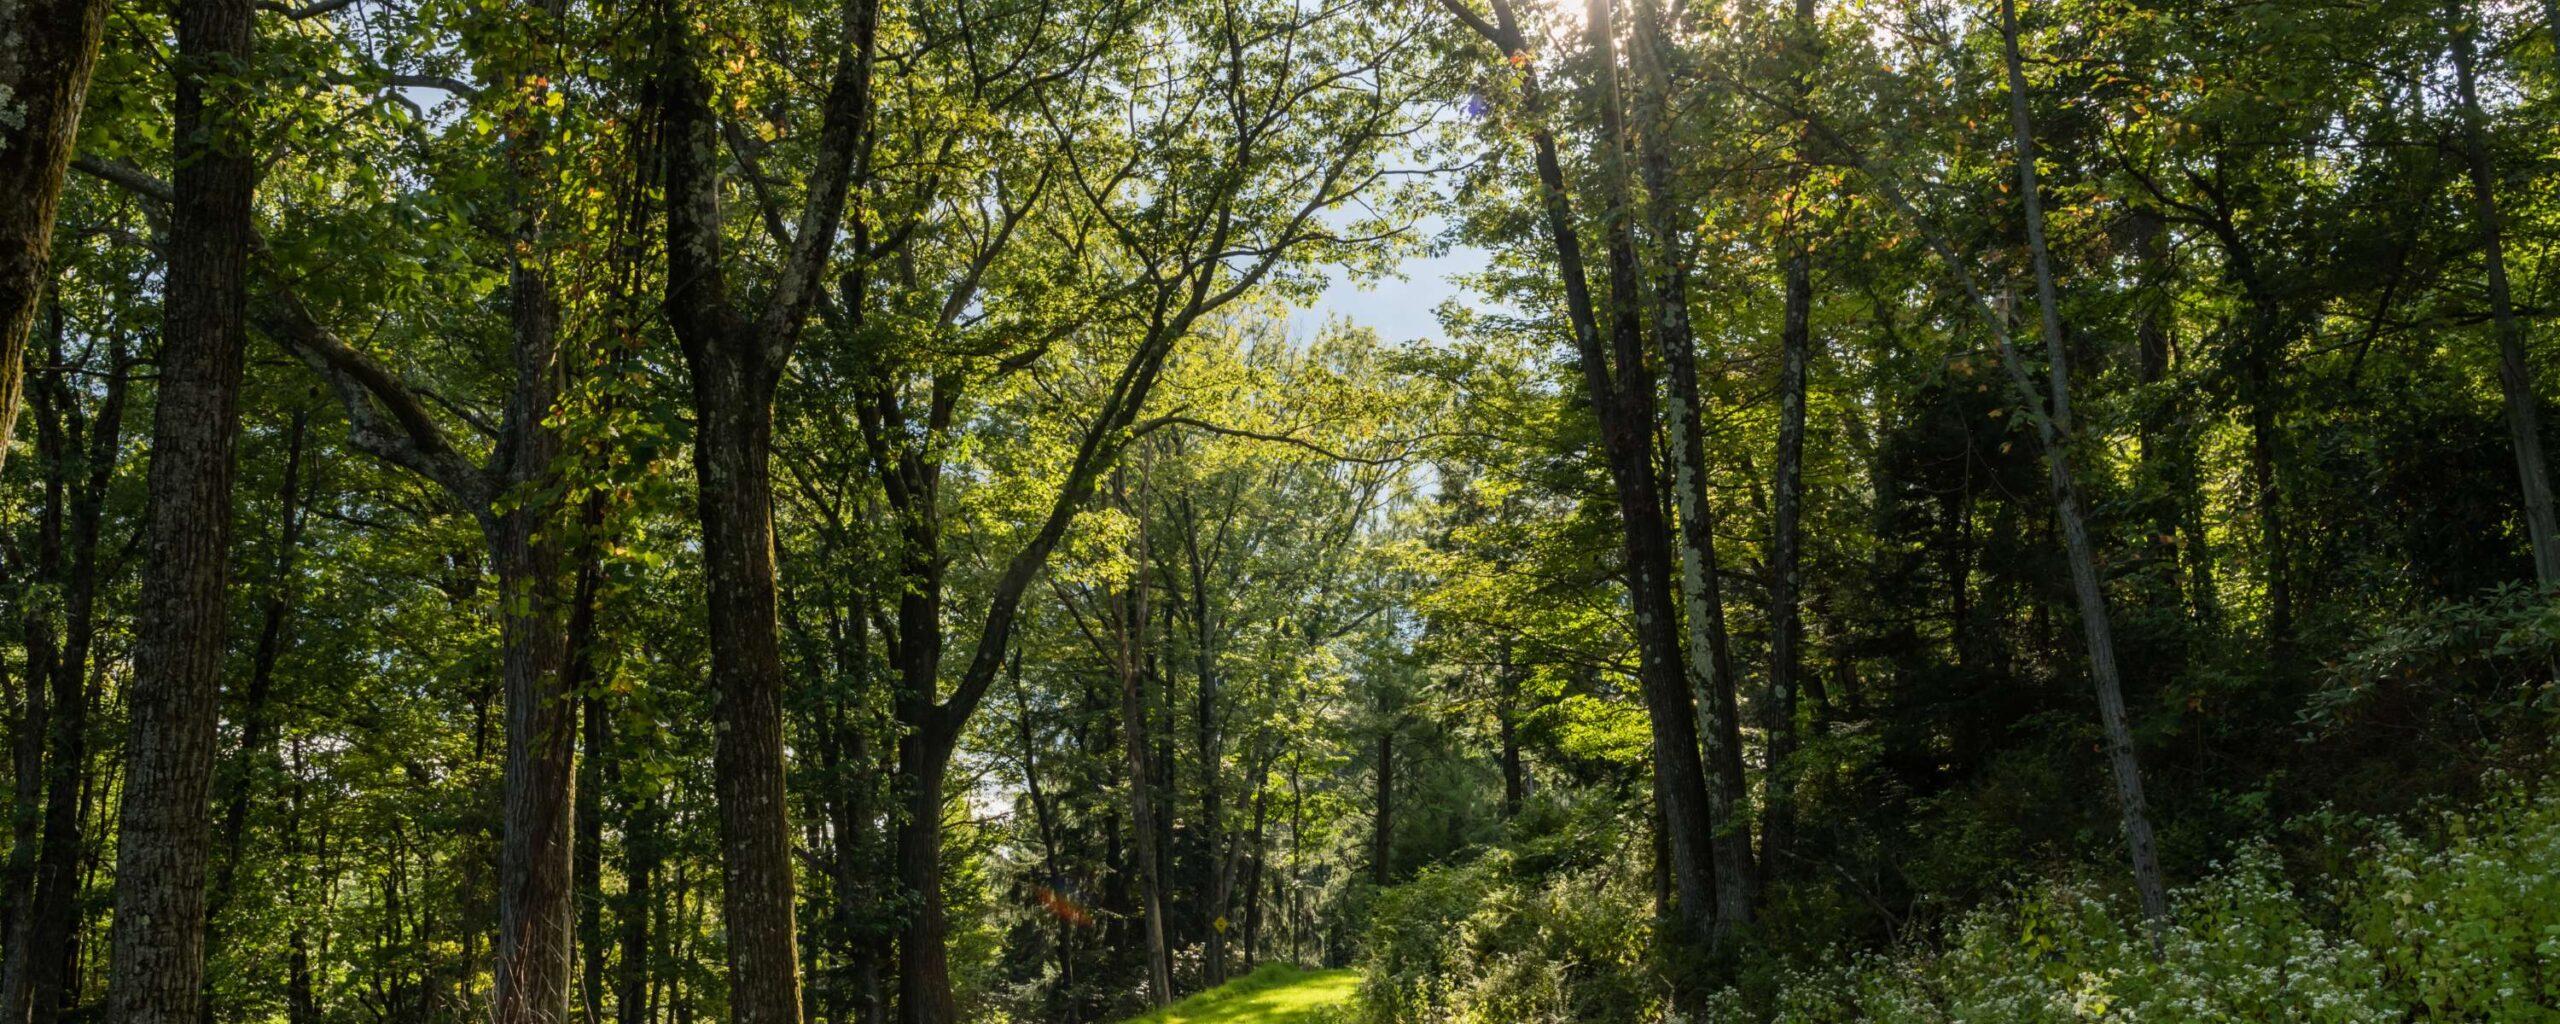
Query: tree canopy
869, 510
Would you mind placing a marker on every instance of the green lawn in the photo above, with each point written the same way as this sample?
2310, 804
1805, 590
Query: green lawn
1275, 994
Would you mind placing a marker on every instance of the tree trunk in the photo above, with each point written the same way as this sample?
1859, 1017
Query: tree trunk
26, 811
1212, 828
2054, 427
157, 961
635, 966
1786, 625
924, 971
44, 77
26, 787
1142, 804
733, 407
1623, 405
582, 686
2258, 376
2515, 375
1382, 831
2177, 518
1515, 787
257, 725
851, 801
924, 968
43, 948
735, 360
302, 1004
1253, 886
1045, 826
1709, 668
536, 869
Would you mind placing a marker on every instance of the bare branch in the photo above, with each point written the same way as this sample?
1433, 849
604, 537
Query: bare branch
307, 11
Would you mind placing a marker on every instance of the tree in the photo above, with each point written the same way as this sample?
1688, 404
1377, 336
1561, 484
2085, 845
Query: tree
736, 353
163, 830
1193, 212
2515, 374
45, 75
1620, 388
2052, 415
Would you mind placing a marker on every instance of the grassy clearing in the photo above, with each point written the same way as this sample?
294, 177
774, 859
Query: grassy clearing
1273, 994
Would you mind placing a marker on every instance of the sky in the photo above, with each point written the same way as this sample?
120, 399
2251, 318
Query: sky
1398, 310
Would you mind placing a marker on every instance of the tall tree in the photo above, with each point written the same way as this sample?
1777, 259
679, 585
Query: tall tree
156, 965
2515, 373
235, 787
79, 455
2052, 415
1620, 389
736, 352
1711, 668
1786, 542
1129, 619
1223, 185
514, 495
44, 80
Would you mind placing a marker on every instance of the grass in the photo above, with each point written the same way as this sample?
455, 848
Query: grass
1274, 994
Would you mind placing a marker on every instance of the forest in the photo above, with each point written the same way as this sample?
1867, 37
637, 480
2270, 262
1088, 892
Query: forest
904, 511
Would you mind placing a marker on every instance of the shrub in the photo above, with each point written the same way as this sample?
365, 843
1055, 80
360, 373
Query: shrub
2455, 921
1518, 937
2242, 949
2467, 926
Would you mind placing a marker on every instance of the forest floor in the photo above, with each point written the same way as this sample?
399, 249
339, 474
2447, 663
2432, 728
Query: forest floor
1274, 994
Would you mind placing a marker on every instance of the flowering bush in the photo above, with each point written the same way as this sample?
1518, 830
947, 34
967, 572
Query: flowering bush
2241, 949
2467, 927
2459, 921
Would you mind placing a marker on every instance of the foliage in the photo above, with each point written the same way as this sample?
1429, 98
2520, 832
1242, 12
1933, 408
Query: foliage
2450, 921
1365, 596
1554, 927
2437, 926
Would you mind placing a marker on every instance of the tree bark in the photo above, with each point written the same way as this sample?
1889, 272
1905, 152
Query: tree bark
1382, 821
1253, 884
1045, 826
1515, 787
44, 78
2054, 429
156, 973
734, 424
43, 946
1212, 826
912, 481
1786, 625
2515, 374
924, 966
596, 740
302, 1004
1621, 399
1711, 670
635, 964
852, 802
735, 361
521, 519
1142, 804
